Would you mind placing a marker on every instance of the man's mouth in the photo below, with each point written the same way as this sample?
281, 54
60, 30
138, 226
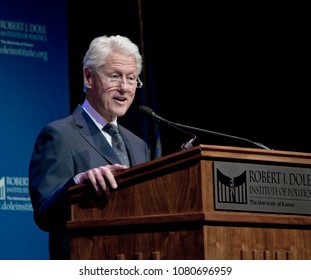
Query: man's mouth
120, 98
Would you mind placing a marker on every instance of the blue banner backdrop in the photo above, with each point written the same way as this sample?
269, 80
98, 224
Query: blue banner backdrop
34, 91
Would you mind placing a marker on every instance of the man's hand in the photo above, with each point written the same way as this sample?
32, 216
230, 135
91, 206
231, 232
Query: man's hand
100, 177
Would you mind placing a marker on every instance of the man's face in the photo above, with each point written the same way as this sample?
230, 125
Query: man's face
111, 89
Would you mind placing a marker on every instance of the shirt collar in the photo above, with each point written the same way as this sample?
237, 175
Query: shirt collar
94, 115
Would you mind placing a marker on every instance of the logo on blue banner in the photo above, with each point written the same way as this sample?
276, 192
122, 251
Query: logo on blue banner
14, 194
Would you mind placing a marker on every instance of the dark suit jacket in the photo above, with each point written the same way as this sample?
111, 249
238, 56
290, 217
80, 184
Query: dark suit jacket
63, 149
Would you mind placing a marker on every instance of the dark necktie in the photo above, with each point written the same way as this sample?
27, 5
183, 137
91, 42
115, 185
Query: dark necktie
117, 143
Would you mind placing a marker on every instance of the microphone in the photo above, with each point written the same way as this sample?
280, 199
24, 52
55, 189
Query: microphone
150, 112
184, 146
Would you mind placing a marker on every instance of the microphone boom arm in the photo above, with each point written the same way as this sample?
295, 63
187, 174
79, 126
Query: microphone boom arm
186, 145
181, 127
150, 112
255, 144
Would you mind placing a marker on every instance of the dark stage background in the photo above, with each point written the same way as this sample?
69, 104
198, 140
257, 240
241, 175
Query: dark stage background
240, 69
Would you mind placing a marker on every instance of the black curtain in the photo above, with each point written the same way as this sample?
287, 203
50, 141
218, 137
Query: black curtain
239, 70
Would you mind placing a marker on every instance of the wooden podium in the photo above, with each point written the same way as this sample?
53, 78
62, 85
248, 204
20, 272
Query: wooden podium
166, 209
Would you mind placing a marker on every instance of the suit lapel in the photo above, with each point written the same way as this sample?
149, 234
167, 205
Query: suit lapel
90, 132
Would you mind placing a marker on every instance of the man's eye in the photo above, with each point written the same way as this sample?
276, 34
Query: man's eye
114, 76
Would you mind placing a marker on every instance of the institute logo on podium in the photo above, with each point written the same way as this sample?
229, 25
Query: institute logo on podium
231, 189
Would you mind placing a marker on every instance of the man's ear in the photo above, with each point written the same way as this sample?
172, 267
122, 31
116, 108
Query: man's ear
87, 76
